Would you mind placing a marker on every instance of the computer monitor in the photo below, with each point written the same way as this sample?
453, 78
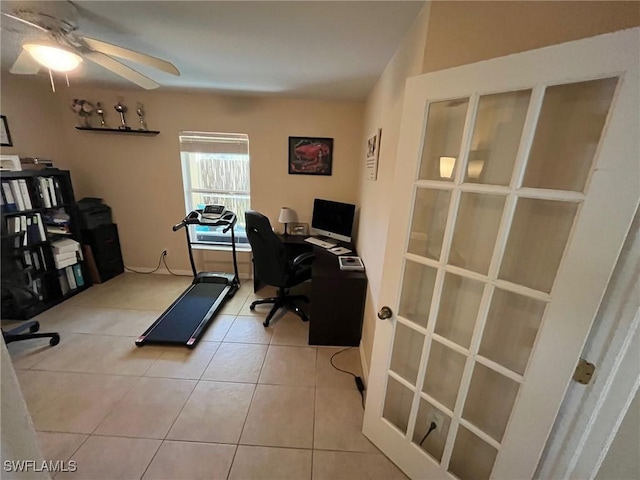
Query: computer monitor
332, 219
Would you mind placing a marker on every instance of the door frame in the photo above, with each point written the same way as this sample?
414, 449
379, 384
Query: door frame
595, 43
590, 416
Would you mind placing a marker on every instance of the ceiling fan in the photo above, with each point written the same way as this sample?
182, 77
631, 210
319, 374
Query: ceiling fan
60, 47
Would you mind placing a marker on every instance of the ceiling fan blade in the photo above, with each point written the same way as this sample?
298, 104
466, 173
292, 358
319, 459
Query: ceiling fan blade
120, 52
25, 64
121, 69
26, 22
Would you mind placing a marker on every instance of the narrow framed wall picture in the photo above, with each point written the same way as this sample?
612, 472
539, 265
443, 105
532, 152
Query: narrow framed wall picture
373, 154
5, 136
310, 156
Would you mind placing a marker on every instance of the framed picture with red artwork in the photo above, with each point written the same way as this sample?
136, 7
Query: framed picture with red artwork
310, 155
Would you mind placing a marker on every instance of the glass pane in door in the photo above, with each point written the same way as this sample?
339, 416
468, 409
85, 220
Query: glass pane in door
397, 404
568, 133
472, 457
537, 240
489, 401
431, 440
417, 290
429, 220
442, 140
459, 308
476, 230
496, 137
407, 349
515, 318
444, 372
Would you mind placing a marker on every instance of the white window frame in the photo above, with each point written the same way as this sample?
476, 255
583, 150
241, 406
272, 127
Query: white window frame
214, 142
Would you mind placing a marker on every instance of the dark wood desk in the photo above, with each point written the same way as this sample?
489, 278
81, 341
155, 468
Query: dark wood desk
337, 296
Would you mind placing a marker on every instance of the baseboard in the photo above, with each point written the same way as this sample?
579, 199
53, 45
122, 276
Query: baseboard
164, 271
365, 367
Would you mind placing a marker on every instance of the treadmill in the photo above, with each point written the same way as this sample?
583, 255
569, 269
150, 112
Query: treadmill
184, 322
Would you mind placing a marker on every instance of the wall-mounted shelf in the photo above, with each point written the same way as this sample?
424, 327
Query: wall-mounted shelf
147, 133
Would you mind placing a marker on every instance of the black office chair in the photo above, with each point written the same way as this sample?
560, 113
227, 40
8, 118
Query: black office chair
272, 266
16, 300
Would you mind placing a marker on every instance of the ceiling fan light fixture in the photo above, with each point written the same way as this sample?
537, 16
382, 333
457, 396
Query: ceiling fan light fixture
55, 58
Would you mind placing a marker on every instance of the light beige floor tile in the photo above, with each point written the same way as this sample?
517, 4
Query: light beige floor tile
354, 466
265, 463
40, 388
191, 460
260, 310
338, 421
149, 409
75, 353
87, 400
248, 329
112, 457
93, 353
107, 321
236, 362
215, 412
27, 353
290, 330
59, 446
181, 362
329, 377
280, 416
233, 305
125, 358
134, 291
218, 328
289, 366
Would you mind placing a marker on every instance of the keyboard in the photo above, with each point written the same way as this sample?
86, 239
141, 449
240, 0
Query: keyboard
320, 243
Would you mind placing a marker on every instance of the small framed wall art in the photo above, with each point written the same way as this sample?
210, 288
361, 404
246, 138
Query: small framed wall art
373, 154
5, 136
310, 156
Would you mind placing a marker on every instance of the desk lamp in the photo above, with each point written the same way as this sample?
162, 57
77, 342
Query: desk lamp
286, 216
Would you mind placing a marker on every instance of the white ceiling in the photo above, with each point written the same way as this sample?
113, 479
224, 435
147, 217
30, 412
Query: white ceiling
321, 49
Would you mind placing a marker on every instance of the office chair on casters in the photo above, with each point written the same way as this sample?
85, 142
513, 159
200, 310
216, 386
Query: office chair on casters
18, 298
273, 267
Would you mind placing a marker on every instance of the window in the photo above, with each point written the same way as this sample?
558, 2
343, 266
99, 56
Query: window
215, 170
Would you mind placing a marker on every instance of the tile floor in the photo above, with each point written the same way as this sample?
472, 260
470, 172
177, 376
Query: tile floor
247, 403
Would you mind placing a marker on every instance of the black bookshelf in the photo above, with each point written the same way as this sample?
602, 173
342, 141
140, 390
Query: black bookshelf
45, 213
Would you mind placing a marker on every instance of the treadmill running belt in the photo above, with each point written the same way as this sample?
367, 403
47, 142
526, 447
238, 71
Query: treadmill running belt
180, 322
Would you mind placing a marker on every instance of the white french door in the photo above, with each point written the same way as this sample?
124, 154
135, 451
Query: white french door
516, 182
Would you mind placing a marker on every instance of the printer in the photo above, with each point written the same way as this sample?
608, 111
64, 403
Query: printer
93, 213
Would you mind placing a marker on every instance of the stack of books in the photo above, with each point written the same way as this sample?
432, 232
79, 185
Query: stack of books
66, 252
66, 255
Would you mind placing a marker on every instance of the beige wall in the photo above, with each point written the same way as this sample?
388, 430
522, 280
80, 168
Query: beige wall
18, 436
469, 31
141, 179
383, 110
459, 33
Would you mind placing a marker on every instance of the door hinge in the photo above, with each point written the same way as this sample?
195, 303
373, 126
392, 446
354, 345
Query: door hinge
584, 372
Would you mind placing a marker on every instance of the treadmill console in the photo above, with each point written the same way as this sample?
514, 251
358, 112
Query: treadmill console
213, 212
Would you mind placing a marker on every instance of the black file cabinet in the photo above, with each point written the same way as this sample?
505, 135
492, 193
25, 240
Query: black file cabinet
105, 249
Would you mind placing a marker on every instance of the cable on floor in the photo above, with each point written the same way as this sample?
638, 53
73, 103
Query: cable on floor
358, 380
164, 260
161, 260
152, 271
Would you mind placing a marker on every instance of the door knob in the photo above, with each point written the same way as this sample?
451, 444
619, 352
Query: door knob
384, 313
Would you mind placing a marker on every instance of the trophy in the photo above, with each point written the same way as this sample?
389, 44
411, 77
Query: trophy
140, 112
83, 110
121, 109
100, 112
